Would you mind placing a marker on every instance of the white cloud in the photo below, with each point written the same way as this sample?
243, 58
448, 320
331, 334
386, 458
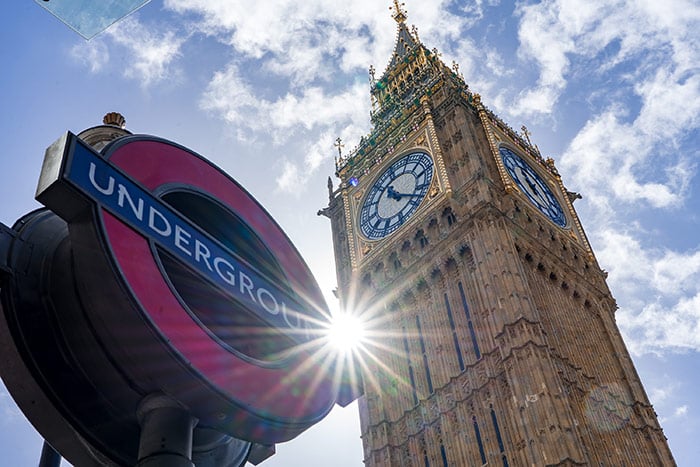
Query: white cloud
152, 53
630, 156
475, 9
661, 326
666, 400
298, 40
296, 174
612, 157
681, 411
289, 180
314, 58
554, 32
675, 273
659, 395
230, 95
93, 54
616, 151
311, 40
667, 315
321, 116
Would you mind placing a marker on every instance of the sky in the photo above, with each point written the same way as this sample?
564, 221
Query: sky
609, 89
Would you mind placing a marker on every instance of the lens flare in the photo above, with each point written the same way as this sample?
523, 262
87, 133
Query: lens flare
347, 332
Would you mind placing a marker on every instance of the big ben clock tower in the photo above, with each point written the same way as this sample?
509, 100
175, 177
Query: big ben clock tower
493, 330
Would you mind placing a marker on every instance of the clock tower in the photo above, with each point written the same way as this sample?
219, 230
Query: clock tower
492, 330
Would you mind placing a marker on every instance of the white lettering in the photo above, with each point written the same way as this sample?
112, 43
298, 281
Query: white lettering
299, 324
285, 316
124, 194
264, 292
194, 245
226, 275
166, 229
247, 284
180, 240
201, 252
110, 184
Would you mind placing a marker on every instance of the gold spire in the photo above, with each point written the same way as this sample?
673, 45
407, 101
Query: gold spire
399, 12
339, 144
414, 30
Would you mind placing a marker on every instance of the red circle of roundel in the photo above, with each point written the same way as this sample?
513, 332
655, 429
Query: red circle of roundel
281, 392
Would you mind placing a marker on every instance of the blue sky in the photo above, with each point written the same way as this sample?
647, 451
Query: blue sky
609, 89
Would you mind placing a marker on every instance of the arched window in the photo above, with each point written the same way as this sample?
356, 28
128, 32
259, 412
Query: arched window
421, 238
449, 216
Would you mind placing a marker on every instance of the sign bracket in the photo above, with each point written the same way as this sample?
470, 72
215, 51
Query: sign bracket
7, 235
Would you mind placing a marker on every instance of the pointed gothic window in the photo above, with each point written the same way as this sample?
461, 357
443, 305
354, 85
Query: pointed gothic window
477, 433
470, 325
498, 436
411, 376
421, 238
395, 261
455, 337
449, 216
428, 379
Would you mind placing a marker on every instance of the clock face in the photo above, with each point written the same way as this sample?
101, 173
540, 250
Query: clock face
395, 195
536, 189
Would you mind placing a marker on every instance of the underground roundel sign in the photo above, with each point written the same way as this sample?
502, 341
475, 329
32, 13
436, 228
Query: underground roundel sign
190, 285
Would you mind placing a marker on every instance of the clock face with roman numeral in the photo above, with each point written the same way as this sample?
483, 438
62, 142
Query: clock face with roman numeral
530, 183
395, 195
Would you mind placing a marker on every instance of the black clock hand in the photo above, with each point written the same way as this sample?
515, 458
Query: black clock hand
393, 194
531, 184
533, 187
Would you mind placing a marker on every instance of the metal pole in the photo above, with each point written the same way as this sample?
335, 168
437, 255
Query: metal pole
49, 456
166, 433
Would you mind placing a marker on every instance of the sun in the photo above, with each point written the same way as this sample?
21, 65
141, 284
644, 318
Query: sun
346, 332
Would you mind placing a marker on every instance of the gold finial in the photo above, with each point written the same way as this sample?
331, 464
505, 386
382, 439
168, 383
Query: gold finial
399, 12
114, 118
372, 71
339, 144
414, 30
527, 134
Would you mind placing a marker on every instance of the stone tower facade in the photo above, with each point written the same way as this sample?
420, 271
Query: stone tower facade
493, 337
